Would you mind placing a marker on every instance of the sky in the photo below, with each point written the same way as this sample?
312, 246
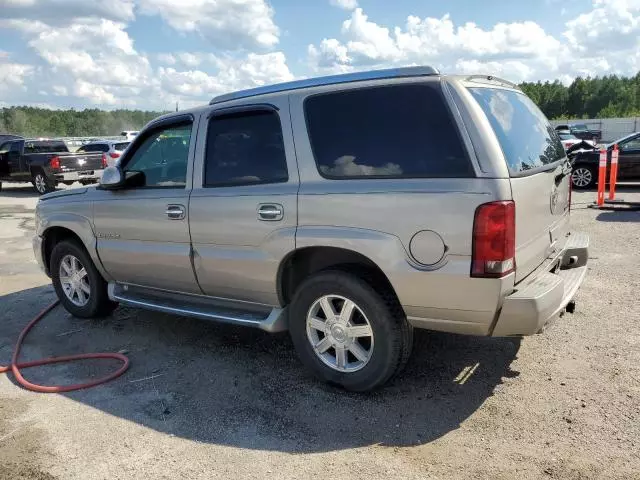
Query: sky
150, 54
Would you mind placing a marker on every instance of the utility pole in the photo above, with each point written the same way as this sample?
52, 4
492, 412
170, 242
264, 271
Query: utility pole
176, 106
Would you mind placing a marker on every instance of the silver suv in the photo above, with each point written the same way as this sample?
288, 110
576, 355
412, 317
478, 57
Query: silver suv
348, 210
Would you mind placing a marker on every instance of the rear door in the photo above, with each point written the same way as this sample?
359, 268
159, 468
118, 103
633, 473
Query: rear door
243, 208
539, 171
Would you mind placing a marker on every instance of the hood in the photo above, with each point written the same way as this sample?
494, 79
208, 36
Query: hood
64, 193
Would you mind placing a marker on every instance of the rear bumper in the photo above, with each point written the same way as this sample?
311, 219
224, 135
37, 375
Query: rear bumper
79, 176
542, 299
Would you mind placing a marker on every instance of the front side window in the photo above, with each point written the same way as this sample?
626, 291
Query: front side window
244, 149
393, 131
631, 146
527, 138
163, 157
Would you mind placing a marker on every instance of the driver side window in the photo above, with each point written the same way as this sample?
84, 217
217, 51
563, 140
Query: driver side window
163, 157
631, 145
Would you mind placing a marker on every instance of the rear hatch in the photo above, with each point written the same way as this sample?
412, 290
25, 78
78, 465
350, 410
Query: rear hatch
74, 162
539, 170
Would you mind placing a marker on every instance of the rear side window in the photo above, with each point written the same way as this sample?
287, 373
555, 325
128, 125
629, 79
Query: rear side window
527, 138
244, 149
385, 132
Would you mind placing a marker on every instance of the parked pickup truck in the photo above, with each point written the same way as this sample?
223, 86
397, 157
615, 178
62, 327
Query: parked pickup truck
45, 163
581, 131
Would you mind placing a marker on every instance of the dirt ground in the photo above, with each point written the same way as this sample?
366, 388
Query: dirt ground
211, 401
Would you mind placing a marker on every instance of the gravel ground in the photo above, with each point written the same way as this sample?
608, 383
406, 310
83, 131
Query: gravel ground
211, 401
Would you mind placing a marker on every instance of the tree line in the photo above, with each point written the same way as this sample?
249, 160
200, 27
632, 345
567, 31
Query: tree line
42, 122
597, 97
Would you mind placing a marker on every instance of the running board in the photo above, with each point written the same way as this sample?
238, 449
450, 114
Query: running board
269, 319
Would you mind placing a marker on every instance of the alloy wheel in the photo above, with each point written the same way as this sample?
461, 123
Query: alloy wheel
340, 333
74, 280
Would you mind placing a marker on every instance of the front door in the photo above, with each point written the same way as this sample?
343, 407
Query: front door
243, 209
629, 159
142, 230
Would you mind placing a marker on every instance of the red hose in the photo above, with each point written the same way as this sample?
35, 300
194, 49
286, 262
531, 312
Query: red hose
15, 366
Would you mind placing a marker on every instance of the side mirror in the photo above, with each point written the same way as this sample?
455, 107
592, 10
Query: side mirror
112, 178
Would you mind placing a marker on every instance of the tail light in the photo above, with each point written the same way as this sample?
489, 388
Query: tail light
54, 163
104, 160
494, 240
114, 155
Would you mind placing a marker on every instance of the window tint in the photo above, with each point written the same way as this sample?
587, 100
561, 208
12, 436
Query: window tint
163, 157
244, 149
527, 139
398, 131
631, 145
45, 146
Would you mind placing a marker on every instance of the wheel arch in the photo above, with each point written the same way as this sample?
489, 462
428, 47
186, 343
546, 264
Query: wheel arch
306, 261
69, 226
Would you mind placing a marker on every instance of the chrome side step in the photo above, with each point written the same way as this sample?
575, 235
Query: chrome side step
269, 319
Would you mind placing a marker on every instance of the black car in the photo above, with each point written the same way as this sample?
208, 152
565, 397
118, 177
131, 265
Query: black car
581, 131
586, 162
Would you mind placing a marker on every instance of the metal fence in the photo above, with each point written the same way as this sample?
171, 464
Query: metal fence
612, 128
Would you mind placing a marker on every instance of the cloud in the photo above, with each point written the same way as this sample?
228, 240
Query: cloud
603, 40
344, 4
12, 76
232, 24
62, 12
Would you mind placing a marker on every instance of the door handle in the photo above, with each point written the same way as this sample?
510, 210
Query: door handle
270, 212
175, 212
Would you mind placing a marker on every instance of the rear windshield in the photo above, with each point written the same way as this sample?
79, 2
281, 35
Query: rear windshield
527, 139
121, 146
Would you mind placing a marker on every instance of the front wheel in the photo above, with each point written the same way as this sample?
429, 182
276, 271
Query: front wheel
347, 333
583, 177
41, 183
78, 284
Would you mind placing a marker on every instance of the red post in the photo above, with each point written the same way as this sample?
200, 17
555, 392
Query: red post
613, 174
602, 177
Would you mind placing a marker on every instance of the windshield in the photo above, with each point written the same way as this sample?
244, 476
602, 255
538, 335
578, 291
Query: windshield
579, 127
527, 139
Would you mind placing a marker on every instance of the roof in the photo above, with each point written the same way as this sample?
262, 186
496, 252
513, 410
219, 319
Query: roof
419, 71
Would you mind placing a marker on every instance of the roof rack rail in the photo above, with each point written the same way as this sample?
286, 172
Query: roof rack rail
417, 71
491, 78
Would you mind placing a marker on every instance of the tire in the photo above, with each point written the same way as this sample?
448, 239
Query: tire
584, 177
387, 349
0, 186
41, 182
96, 301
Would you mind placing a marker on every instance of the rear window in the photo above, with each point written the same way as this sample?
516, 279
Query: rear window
527, 138
47, 146
120, 146
385, 132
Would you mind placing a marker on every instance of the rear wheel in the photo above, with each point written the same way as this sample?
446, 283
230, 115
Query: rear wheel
583, 177
41, 183
78, 284
348, 334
